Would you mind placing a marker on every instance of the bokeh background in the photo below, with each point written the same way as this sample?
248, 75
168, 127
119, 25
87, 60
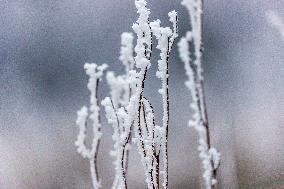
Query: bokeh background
44, 45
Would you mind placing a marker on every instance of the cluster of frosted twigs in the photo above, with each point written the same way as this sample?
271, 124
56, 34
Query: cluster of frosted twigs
131, 114
127, 109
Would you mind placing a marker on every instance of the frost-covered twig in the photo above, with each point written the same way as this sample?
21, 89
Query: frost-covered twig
274, 19
143, 50
115, 107
193, 67
95, 74
165, 37
115, 119
126, 57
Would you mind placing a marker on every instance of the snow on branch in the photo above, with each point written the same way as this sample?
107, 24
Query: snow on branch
95, 74
193, 67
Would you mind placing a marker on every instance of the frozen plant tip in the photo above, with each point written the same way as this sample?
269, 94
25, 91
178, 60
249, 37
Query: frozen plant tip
95, 74
193, 67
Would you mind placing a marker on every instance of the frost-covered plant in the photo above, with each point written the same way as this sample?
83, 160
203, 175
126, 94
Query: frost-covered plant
274, 19
95, 74
127, 109
193, 67
131, 114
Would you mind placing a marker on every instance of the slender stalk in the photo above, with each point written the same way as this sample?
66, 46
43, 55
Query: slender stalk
209, 155
122, 158
167, 122
99, 129
155, 151
202, 94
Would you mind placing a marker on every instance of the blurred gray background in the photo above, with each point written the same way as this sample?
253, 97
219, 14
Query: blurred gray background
44, 45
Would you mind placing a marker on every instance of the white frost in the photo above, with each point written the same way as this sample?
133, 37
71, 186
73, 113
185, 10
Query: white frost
121, 87
165, 37
193, 68
127, 110
95, 74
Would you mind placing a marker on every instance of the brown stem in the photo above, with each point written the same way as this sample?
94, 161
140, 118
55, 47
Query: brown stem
117, 120
152, 146
126, 158
144, 117
158, 170
141, 137
99, 129
129, 140
122, 158
206, 122
139, 113
154, 150
201, 101
95, 160
122, 167
167, 119
141, 107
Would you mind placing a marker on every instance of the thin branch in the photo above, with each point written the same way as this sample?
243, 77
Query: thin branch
209, 155
99, 129
95, 73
